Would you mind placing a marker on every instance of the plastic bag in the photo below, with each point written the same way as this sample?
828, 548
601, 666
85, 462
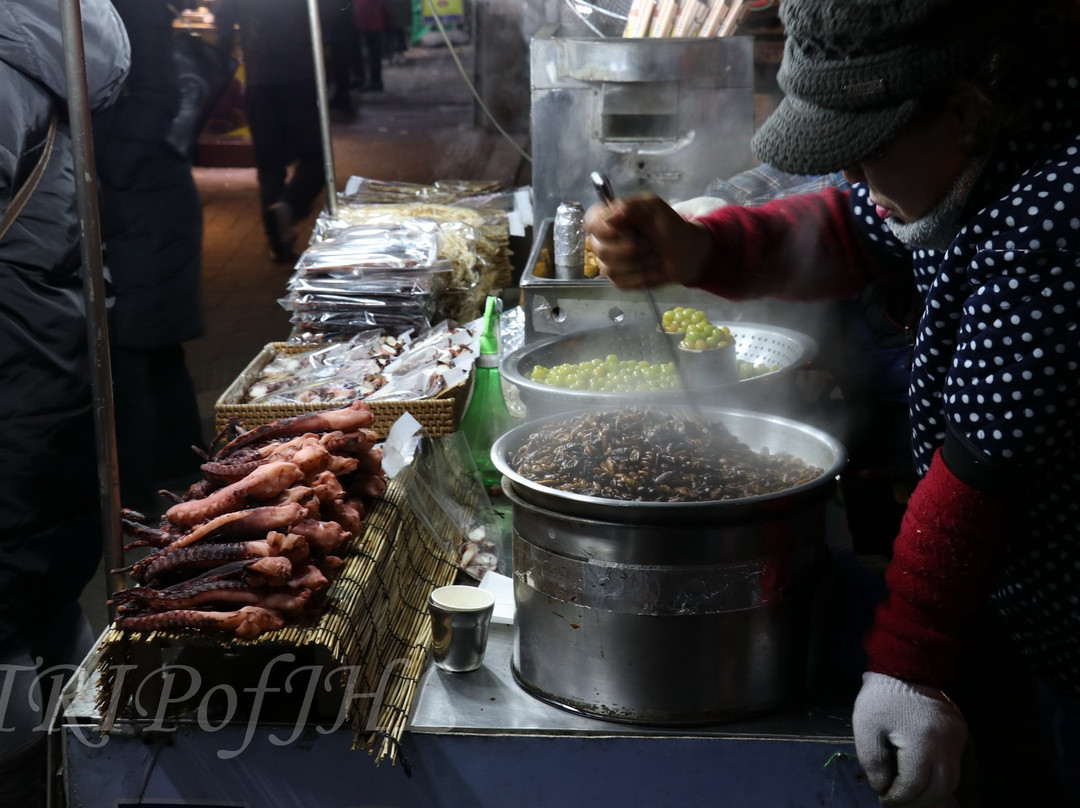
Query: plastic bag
445, 491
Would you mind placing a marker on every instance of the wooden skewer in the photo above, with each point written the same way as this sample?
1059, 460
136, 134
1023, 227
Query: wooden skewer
732, 18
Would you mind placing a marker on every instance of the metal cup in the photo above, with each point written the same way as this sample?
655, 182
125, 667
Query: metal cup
460, 616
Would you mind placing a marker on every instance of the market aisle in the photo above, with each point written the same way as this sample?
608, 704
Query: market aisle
419, 130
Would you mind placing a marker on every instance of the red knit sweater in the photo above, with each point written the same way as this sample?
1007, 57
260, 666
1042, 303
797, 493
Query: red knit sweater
806, 248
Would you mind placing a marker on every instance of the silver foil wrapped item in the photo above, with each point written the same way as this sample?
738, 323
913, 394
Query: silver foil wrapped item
568, 235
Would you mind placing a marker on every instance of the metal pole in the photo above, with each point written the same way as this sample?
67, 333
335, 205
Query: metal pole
324, 107
82, 149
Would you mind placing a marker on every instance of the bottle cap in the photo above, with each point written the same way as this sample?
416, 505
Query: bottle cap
489, 336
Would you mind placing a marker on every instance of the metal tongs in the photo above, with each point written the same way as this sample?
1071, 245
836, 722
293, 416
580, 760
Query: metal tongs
607, 195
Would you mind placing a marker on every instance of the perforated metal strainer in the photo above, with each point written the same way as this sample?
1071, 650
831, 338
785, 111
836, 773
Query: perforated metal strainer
782, 351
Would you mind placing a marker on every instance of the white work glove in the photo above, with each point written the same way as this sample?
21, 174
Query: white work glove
698, 206
910, 741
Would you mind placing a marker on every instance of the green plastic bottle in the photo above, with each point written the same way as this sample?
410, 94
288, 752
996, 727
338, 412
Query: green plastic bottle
486, 416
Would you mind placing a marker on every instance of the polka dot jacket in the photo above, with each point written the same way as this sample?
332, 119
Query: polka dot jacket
995, 366
994, 376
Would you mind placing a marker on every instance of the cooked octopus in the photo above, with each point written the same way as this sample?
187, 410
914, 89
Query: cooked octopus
247, 623
146, 536
344, 449
246, 524
208, 556
227, 583
261, 533
264, 482
323, 537
345, 419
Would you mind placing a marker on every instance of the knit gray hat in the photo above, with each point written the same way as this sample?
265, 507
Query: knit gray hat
854, 73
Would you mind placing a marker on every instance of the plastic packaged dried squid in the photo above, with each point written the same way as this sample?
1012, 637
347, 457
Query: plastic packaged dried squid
335, 326
403, 285
344, 303
406, 241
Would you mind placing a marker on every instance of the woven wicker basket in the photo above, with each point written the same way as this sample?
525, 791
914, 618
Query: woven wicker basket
439, 416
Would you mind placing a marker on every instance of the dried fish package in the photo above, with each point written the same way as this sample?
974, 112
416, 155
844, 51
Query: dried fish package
401, 245
323, 302
331, 284
368, 191
364, 345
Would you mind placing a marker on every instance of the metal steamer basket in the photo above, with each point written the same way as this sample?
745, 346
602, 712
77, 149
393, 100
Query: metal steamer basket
783, 348
664, 613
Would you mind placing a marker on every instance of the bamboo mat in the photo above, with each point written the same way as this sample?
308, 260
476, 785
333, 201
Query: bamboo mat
373, 621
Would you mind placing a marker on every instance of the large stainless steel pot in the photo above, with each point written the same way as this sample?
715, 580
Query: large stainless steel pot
669, 613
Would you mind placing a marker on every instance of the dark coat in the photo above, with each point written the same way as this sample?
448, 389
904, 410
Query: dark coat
371, 15
48, 486
275, 37
151, 216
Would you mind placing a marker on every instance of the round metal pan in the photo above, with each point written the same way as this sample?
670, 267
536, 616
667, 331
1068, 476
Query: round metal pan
757, 430
783, 348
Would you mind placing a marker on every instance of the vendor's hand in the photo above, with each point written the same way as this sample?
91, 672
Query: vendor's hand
910, 741
642, 242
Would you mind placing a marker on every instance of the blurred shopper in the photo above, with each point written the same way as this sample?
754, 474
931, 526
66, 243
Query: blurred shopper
282, 109
343, 43
396, 41
373, 22
50, 523
152, 227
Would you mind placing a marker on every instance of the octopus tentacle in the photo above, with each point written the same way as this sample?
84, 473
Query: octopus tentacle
312, 460
309, 576
356, 415
265, 482
143, 598
245, 524
226, 473
323, 537
247, 623
370, 462
349, 443
207, 556
327, 487
201, 489
365, 486
227, 583
287, 601
234, 467
233, 429
344, 513
145, 535
273, 569
307, 447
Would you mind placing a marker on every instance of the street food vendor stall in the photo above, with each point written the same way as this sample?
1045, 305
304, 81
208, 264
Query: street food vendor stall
594, 674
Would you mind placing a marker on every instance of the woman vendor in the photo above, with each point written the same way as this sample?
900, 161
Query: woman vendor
958, 124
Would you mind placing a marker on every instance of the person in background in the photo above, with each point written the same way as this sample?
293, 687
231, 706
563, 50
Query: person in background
342, 40
372, 21
151, 226
958, 125
282, 109
50, 520
396, 41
